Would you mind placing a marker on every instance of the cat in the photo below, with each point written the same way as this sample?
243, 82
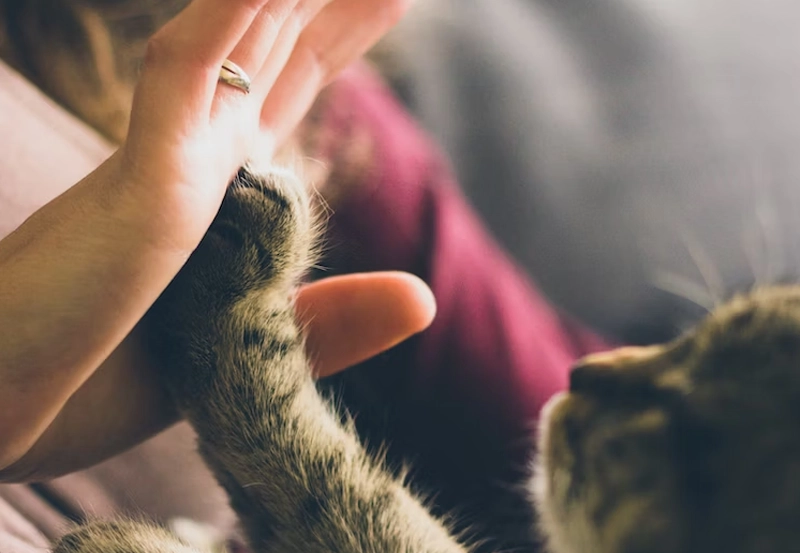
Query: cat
295, 474
689, 447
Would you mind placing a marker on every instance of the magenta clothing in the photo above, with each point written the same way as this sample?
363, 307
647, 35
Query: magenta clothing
458, 402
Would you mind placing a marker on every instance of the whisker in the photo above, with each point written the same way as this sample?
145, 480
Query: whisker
750, 250
705, 266
682, 287
771, 238
762, 241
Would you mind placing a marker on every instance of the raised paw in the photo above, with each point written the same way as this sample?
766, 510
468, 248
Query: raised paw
255, 250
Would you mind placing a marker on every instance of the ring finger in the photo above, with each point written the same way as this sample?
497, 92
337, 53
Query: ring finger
268, 44
256, 43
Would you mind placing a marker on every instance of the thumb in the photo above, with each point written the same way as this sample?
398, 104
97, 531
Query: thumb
354, 317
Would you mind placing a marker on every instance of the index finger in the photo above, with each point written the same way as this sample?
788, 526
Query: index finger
354, 317
336, 37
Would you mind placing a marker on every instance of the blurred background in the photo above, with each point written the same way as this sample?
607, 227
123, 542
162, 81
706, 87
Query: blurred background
639, 158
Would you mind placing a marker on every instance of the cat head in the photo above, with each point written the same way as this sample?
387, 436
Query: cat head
693, 446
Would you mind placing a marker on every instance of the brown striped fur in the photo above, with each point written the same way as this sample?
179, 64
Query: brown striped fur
691, 447
297, 477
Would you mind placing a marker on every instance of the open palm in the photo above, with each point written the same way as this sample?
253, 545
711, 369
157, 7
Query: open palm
206, 130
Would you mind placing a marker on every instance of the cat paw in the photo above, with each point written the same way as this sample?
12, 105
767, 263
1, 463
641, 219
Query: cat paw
258, 246
121, 536
260, 239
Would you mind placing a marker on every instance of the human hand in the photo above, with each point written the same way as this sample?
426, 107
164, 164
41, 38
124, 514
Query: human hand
78, 275
205, 130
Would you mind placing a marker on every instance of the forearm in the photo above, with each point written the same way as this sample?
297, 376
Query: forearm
58, 333
119, 406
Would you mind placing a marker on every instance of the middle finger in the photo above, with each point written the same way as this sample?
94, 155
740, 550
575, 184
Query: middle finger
275, 58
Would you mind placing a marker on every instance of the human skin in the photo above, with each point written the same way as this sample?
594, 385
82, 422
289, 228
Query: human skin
79, 274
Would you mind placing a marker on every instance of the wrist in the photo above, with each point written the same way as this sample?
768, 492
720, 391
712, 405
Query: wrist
75, 278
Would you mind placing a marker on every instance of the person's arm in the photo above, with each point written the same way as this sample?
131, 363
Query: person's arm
77, 276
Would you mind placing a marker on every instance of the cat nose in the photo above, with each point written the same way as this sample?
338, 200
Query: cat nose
618, 356
601, 371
